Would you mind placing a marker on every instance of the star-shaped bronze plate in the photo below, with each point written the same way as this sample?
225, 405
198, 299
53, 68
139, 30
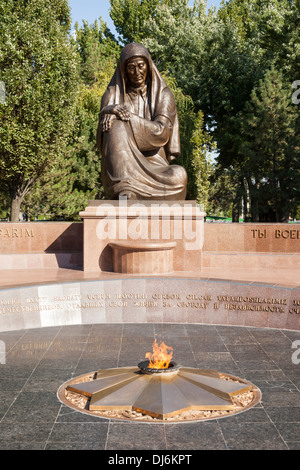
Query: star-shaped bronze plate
159, 395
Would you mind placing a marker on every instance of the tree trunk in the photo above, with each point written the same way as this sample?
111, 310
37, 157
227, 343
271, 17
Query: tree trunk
246, 200
254, 201
236, 210
16, 202
17, 193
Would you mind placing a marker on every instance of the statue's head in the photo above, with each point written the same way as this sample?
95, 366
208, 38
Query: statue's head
135, 59
136, 70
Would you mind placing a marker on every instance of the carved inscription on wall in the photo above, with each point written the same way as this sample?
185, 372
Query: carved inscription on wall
283, 234
159, 300
16, 232
257, 233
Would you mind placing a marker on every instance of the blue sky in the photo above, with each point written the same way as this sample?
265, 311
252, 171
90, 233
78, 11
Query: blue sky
91, 10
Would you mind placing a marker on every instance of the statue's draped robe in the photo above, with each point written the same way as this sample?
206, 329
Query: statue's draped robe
136, 153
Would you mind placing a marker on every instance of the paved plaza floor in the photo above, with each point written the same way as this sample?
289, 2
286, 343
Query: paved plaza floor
39, 361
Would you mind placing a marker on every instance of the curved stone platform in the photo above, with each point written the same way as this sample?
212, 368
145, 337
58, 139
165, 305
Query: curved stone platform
39, 361
43, 281
54, 297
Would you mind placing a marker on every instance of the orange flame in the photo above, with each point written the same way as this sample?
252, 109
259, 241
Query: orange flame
160, 357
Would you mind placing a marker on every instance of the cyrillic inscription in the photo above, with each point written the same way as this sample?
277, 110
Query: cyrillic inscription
295, 309
292, 234
192, 300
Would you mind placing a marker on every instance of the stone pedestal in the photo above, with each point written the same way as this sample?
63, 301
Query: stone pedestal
134, 257
142, 237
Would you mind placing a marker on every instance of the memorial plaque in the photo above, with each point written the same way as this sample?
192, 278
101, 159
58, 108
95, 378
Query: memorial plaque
150, 300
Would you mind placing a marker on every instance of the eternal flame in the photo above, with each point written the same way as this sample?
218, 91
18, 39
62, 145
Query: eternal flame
138, 132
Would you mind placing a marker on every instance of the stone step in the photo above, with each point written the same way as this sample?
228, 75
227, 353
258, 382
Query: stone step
41, 260
250, 260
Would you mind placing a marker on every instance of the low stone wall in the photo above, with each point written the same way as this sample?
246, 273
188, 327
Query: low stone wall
156, 299
59, 237
41, 237
259, 238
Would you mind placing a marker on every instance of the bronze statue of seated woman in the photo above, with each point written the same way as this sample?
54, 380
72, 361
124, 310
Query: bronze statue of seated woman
138, 132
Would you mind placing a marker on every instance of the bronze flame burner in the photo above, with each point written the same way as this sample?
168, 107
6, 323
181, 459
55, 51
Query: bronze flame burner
160, 393
145, 369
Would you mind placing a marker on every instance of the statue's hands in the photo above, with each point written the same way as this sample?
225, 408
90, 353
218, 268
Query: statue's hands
106, 121
122, 112
114, 112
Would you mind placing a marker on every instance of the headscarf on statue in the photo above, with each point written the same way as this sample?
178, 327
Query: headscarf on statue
159, 95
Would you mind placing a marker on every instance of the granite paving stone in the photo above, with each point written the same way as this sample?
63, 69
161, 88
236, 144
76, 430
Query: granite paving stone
38, 361
251, 436
195, 436
136, 436
84, 434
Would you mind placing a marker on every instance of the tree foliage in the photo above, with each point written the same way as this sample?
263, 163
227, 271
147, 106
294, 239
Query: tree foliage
39, 68
231, 73
76, 178
203, 145
255, 36
270, 28
271, 149
130, 17
175, 35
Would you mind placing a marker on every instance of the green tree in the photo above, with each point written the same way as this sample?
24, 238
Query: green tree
76, 177
224, 199
226, 80
248, 38
175, 35
203, 146
130, 17
39, 68
270, 27
271, 146
4, 203
98, 51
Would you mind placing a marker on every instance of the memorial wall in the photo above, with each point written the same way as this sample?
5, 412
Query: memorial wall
37, 237
176, 298
267, 238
